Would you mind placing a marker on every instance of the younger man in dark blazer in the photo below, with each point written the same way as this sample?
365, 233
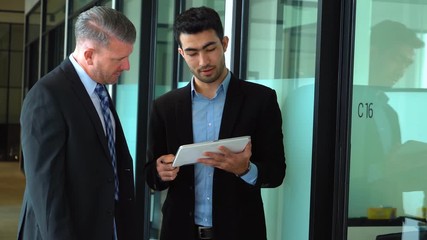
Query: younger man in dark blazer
219, 197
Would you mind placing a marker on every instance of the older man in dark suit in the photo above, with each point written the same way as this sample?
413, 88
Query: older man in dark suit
79, 174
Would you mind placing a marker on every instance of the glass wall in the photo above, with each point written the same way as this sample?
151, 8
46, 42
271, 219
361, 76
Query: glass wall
32, 44
166, 51
281, 54
126, 97
11, 179
388, 161
11, 50
54, 35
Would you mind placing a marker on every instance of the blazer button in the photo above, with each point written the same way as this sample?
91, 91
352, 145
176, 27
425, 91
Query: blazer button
110, 212
110, 180
190, 214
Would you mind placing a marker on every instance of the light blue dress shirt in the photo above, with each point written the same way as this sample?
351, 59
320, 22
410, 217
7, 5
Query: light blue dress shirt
90, 85
207, 115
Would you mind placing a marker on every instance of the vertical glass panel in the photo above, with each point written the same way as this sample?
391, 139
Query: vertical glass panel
165, 49
33, 25
4, 36
76, 5
281, 53
163, 82
108, 3
55, 13
71, 40
45, 56
4, 69
127, 87
387, 192
17, 37
15, 77
14, 105
3, 105
32, 59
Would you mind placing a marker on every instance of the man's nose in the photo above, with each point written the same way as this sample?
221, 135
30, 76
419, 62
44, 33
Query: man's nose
203, 59
126, 64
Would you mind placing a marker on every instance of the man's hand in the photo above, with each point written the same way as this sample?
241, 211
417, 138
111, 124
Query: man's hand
236, 163
164, 167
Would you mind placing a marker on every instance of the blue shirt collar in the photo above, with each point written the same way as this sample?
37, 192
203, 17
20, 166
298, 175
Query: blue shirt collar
88, 83
223, 85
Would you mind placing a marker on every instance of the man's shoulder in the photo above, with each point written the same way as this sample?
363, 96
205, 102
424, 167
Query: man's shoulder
175, 94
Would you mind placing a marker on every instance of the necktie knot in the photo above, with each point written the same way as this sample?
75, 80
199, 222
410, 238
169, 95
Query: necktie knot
102, 94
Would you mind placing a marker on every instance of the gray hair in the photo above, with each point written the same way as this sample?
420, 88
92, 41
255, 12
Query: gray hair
100, 23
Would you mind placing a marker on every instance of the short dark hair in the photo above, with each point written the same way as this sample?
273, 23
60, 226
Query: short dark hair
195, 20
100, 23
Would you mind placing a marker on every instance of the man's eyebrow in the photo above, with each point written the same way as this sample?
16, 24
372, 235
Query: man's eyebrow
204, 47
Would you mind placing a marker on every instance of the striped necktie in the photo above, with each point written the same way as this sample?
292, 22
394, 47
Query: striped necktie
104, 100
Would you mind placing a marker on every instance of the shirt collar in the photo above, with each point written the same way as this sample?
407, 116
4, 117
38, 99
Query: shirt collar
223, 85
88, 83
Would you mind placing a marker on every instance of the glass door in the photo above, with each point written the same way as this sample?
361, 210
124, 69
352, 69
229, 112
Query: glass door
388, 157
279, 51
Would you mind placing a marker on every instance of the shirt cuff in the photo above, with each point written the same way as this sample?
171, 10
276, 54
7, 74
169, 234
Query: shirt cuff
252, 175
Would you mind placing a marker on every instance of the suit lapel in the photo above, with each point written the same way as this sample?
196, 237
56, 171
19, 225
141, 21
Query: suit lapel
81, 94
234, 100
184, 116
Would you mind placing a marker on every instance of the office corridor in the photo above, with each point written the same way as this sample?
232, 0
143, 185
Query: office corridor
12, 183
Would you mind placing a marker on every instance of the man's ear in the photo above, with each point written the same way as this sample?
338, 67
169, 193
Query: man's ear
225, 40
88, 54
181, 51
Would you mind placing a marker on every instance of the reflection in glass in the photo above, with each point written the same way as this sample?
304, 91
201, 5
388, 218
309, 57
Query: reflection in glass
388, 131
281, 53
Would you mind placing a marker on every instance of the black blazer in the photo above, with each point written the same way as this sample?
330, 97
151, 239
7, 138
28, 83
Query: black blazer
69, 190
250, 109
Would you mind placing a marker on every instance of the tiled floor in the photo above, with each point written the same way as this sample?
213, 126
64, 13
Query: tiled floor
12, 184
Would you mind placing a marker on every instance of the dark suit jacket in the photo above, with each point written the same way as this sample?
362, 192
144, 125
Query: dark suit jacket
69, 176
250, 109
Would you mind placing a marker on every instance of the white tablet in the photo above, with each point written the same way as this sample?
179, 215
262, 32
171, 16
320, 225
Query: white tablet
189, 153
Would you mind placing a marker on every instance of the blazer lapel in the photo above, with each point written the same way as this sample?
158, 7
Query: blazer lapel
81, 94
233, 101
184, 116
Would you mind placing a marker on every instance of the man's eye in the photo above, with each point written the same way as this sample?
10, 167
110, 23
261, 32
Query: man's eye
210, 49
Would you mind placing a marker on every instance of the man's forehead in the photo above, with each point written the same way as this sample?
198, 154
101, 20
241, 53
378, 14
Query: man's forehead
198, 40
